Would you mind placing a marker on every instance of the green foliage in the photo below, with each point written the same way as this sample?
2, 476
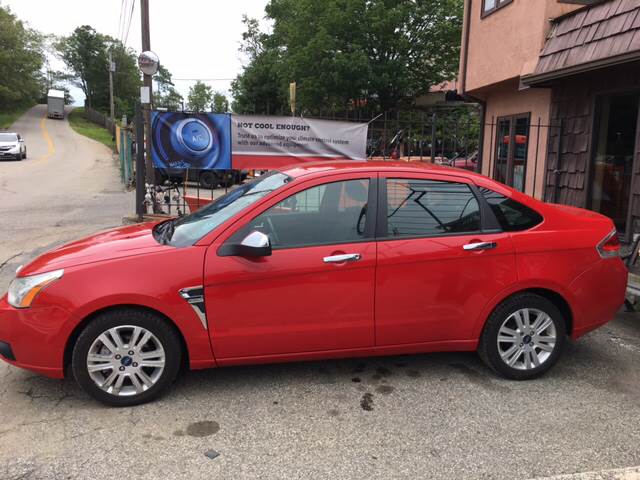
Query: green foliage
220, 103
85, 127
8, 117
165, 95
382, 53
21, 59
259, 88
200, 97
86, 53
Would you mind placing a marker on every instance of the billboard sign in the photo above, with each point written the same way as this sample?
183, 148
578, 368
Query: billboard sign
271, 141
191, 141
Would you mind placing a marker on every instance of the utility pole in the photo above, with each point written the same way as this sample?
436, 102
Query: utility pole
147, 82
112, 68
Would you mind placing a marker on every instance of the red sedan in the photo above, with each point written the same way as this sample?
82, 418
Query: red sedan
318, 261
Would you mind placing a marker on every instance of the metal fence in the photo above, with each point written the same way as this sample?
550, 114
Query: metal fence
100, 119
447, 135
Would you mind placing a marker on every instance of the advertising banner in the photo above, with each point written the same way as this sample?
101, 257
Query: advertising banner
200, 141
262, 142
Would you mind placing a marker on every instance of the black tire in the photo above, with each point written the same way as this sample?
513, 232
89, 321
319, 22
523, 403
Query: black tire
209, 180
488, 347
155, 324
24, 156
227, 179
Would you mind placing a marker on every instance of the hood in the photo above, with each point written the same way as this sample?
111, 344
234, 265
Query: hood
13, 143
116, 243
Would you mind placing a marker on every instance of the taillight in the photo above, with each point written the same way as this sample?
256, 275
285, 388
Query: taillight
610, 245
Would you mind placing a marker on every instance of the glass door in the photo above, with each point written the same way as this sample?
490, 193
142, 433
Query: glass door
512, 146
616, 130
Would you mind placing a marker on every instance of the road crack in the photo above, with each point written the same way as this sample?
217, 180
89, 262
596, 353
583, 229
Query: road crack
3, 264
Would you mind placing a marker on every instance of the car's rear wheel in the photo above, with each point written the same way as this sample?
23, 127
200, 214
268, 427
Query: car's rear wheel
126, 357
523, 337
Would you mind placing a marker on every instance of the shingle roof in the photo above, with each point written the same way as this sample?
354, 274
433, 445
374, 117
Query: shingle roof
589, 36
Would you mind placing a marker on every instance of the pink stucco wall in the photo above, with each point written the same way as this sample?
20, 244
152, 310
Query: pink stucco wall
503, 46
504, 100
506, 43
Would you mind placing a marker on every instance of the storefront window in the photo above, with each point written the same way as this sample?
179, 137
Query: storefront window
512, 146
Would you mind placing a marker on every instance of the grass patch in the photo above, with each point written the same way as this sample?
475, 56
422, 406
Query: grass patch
7, 118
85, 127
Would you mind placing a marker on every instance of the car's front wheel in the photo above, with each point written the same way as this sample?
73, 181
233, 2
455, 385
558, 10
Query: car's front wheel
126, 357
523, 337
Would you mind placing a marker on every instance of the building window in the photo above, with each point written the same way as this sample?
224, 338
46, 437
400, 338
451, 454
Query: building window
512, 146
490, 6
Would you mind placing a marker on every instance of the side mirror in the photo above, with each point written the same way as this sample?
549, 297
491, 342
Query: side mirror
256, 244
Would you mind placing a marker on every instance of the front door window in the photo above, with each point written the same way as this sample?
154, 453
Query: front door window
617, 122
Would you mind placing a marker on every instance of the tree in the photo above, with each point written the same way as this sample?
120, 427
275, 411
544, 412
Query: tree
378, 52
220, 103
86, 53
126, 79
165, 94
21, 58
200, 97
259, 88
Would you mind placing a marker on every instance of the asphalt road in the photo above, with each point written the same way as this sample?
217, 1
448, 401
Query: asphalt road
437, 416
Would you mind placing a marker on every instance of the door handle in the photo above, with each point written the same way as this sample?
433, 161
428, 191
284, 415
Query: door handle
347, 257
480, 246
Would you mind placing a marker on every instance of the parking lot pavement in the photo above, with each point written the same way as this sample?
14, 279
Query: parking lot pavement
418, 416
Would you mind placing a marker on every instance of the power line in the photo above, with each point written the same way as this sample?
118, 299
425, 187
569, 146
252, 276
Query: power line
119, 36
133, 3
203, 79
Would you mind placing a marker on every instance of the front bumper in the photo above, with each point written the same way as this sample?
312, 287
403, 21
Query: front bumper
35, 338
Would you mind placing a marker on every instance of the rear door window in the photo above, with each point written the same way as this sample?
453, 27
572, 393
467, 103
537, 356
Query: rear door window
420, 208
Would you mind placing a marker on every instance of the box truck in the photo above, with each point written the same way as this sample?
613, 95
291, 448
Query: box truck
55, 104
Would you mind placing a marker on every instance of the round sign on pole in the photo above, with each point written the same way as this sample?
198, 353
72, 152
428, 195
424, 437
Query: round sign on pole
148, 62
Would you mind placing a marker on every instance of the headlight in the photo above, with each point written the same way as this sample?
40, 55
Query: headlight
23, 290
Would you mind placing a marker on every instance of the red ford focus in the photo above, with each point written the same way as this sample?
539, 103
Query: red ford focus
318, 261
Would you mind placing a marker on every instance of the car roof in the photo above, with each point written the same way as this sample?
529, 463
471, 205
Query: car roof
347, 166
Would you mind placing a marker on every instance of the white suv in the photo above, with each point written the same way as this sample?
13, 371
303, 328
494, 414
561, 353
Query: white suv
12, 146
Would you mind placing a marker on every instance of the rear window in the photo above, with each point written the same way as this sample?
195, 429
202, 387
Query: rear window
512, 216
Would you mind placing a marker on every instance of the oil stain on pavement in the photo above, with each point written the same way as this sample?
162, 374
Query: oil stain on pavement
199, 429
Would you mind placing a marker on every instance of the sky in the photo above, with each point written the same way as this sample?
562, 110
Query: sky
194, 39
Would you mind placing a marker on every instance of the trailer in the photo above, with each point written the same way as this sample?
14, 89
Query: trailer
55, 104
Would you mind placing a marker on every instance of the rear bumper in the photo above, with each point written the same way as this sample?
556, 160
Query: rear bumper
598, 293
33, 338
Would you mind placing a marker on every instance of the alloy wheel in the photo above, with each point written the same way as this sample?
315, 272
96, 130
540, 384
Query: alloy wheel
526, 339
125, 360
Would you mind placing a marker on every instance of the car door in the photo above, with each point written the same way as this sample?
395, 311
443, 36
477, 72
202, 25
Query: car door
440, 259
315, 292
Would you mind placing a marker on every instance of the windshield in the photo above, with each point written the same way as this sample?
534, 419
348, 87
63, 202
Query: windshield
189, 229
8, 137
